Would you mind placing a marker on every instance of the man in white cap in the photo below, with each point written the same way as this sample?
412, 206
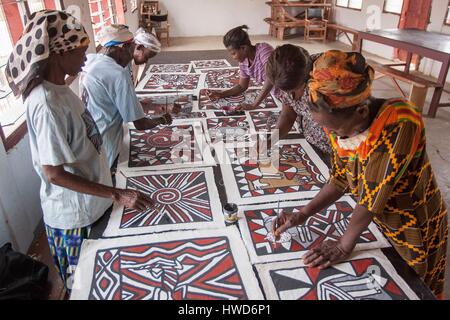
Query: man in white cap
108, 92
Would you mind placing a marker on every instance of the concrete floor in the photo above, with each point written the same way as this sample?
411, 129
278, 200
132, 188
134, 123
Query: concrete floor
437, 128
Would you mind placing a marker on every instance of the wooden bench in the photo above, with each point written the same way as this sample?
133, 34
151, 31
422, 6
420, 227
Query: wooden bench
277, 28
280, 19
419, 85
335, 30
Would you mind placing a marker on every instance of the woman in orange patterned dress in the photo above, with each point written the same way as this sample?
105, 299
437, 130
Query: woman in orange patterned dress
379, 155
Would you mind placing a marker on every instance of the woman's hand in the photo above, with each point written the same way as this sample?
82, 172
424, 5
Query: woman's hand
245, 107
286, 221
326, 254
214, 95
133, 199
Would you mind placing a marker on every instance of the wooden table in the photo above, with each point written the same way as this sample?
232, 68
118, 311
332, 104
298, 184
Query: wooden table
432, 45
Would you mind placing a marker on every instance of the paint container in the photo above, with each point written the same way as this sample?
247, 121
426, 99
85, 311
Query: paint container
230, 212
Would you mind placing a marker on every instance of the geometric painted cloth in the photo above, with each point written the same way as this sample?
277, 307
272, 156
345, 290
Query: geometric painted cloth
294, 171
389, 174
184, 199
65, 245
186, 265
255, 224
169, 147
170, 82
170, 68
365, 275
247, 97
224, 78
210, 64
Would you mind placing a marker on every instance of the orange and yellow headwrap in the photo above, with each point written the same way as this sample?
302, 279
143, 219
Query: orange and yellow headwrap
342, 79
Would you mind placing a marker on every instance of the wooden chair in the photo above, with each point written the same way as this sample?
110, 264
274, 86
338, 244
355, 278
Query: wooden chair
316, 21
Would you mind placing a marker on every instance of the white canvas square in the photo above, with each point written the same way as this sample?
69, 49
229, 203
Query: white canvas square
292, 180
181, 149
375, 279
159, 267
170, 82
210, 64
170, 68
184, 199
255, 223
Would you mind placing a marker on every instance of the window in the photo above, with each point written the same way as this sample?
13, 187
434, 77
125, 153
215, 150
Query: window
447, 16
103, 13
35, 5
352, 4
393, 6
12, 110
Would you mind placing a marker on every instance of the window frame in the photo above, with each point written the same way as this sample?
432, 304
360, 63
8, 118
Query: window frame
22, 10
106, 13
348, 6
392, 12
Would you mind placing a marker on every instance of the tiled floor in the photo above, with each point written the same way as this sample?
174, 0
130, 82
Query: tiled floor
438, 130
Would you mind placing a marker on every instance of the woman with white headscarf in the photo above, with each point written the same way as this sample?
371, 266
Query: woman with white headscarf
66, 146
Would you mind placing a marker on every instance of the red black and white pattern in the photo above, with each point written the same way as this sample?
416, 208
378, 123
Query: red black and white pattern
367, 276
178, 197
225, 78
329, 224
169, 82
178, 105
170, 68
266, 121
295, 175
228, 129
183, 199
163, 146
210, 64
186, 265
248, 97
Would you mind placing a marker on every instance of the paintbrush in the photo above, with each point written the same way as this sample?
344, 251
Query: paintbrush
166, 105
278, 217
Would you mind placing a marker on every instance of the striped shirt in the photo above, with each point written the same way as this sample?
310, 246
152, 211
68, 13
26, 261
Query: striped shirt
256, 71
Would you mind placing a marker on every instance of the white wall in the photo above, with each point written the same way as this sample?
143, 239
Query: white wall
190, 18
358, 20
20, 209
132, 18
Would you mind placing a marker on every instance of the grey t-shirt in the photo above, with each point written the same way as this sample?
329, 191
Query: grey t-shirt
62, 132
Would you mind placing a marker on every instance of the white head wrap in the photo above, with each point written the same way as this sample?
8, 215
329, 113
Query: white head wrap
147, 39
